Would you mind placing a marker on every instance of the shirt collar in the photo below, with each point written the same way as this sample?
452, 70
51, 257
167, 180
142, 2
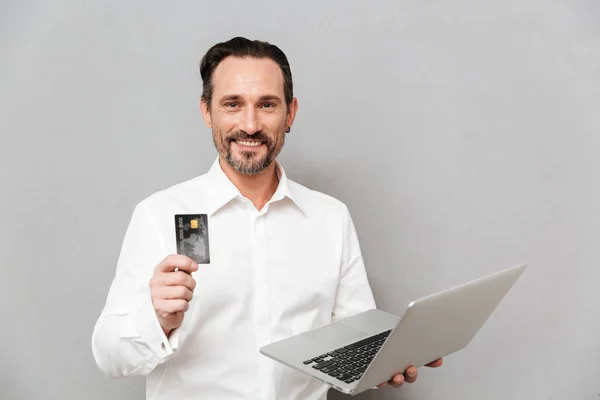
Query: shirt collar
223, 190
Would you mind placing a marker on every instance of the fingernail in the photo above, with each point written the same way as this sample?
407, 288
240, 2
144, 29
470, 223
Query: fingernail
411, 373
195, 266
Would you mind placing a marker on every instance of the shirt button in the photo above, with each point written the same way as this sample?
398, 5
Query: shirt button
162, 345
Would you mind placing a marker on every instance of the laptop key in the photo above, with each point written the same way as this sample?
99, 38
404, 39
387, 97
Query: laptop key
350, 380
344, 377
361, 343
308, 362
342, 350
329, 369
322, 365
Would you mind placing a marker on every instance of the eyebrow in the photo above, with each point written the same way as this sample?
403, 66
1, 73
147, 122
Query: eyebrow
237, 97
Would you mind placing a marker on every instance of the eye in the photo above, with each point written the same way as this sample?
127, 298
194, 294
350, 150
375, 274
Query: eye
268, 105
231, 104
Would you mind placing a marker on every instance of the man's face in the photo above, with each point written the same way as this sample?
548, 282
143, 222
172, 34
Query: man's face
248, 115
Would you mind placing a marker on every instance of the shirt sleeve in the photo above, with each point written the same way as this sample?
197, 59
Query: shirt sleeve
127, 338
354, 293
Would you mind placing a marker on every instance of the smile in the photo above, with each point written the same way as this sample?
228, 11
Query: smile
248, 144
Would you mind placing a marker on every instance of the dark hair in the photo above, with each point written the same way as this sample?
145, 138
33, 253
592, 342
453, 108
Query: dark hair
242, 47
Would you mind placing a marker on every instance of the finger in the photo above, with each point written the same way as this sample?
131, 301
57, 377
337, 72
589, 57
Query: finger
382, 385
179, 278
175, 292
171, 306
436, 363
410, 375
177, 261
397, 380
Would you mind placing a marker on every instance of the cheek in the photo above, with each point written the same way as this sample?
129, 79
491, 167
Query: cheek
219, 138
225, 122
276, 125
275, 120
221, 129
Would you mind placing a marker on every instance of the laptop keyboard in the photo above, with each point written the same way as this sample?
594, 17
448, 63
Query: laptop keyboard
349, 362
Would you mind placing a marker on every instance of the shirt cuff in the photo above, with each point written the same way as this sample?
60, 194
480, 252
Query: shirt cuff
145, 323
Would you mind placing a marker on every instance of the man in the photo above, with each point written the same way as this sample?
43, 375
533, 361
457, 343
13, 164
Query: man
283, 259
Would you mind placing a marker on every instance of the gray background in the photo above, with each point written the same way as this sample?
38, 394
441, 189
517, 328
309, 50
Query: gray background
463, 136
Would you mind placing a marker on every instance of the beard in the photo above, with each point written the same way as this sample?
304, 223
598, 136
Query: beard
248, 162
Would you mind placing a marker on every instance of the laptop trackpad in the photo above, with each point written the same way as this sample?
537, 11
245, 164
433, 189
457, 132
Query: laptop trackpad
337, 335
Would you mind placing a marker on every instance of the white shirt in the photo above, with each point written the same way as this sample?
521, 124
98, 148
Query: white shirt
293, 266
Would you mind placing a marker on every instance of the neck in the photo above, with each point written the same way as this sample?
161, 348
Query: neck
257, 188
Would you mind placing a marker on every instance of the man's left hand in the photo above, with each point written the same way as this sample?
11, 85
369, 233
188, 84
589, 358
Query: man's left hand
410, 375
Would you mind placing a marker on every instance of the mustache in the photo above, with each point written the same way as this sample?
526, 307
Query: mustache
241, 135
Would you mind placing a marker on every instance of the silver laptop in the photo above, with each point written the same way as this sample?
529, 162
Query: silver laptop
366, 349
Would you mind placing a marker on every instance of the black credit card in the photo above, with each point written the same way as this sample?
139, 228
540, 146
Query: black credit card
192, 237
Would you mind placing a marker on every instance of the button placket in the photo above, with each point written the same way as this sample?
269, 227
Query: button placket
262, 305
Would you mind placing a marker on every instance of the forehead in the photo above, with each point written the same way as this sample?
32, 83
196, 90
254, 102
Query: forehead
247, 76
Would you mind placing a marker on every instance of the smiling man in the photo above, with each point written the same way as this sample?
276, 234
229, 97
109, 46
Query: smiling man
284, 259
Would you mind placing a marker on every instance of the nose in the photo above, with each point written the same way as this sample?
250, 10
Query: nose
249, 122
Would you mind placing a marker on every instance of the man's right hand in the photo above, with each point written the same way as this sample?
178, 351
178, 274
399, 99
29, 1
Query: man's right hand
171, 289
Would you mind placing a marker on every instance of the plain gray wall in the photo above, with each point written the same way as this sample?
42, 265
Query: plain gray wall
463, 136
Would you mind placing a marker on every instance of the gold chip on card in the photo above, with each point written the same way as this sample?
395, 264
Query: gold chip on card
194, 224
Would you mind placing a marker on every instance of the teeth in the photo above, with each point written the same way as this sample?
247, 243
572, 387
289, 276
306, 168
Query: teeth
249, 144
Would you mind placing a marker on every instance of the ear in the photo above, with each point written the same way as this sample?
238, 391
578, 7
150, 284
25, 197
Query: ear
205, 113
292, 109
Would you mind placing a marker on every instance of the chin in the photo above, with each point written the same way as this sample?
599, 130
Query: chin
253, 166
